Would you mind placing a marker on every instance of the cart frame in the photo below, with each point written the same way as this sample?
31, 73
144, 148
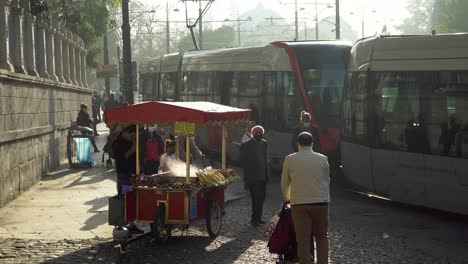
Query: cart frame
165, 208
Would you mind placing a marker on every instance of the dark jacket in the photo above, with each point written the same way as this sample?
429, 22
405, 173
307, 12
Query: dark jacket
119, 148
312, 130
254, 161
84, 119
111, 104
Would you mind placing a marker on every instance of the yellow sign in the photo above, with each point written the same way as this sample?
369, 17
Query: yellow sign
184, 128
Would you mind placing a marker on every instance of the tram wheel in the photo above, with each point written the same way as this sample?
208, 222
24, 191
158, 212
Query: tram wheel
214, 218
161, 231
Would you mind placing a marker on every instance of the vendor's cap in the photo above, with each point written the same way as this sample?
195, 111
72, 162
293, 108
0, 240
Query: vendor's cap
130, 129
257, 129
170, 143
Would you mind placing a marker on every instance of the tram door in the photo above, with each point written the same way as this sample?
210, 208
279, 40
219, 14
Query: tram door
273, 118
225, 87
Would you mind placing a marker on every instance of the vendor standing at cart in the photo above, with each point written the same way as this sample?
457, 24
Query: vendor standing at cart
124, 149
169, 157
195, 153
153, 148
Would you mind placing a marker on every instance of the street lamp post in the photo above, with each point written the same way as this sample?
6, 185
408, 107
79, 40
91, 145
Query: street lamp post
296, 22
106, 61
363, 20
316, 22
200, 25
127, 53
238, 20
168, 32
337, 20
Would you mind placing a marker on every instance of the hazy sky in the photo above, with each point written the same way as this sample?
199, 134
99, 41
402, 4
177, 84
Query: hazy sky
376, 12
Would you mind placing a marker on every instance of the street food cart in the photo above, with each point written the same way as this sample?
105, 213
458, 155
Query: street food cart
165, 200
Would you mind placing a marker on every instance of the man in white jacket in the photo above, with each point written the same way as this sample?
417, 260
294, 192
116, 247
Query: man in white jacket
305, 182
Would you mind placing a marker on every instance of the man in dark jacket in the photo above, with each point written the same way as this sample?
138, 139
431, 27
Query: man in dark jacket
111, 103
124, 149
84, 120
256, 171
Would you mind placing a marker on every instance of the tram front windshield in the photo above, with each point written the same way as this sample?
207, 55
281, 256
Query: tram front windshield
323, 70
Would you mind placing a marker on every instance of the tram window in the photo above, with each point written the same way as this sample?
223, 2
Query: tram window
324, 88
449, 104
423, 112
355, 108
203, 83
147, 87
155, 87
248, 83
389, 96
293, 101
168, 80
400, 122
272, 102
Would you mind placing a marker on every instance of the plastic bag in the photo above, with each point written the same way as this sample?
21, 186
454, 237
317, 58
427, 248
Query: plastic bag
83, 150
270, 228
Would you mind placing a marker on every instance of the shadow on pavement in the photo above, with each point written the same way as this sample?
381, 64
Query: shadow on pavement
93, 176
100, 211
180, 249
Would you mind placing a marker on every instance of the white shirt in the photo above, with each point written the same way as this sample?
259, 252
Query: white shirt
306, 178
246, 137
166, 162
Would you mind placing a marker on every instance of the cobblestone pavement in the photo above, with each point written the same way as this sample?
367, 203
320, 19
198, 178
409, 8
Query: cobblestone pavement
362, 230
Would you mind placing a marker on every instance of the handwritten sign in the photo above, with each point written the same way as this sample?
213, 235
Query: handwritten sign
184, 128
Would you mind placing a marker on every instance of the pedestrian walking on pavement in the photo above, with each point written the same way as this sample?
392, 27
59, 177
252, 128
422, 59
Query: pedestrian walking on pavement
305, 182
97, 102
84, 120
111, 103
254, 160
306, 126
96, 108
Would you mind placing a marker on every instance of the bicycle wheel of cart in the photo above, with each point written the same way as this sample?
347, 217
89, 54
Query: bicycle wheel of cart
161, 231
70, 148
214, 217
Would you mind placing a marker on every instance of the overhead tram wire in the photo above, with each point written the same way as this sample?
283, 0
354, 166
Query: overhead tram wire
198, 20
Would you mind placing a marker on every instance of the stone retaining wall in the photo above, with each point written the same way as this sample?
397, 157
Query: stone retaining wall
42, 84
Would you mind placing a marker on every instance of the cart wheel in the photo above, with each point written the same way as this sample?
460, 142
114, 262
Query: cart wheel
214, 217
161, 231
70, 148
123, 249
280, 260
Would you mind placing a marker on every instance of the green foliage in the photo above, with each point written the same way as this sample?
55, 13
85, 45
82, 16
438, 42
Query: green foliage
452, 16
86, 18
223, 37
420, 19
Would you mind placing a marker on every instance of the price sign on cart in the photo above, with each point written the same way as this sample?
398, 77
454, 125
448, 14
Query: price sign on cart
184, 128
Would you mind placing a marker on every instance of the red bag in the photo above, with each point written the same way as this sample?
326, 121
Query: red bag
283, 239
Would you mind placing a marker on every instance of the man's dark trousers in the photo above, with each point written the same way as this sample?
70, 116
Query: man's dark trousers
257, 193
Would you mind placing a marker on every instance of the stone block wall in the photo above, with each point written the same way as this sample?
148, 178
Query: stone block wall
42, 84
35, 115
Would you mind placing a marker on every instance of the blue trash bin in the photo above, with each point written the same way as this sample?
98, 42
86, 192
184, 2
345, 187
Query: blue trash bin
79, 149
